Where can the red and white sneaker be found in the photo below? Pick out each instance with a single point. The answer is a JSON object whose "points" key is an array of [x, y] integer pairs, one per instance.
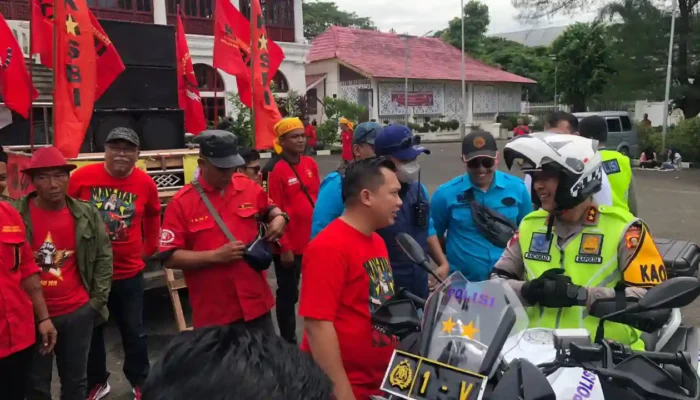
{"points": [[137, 393], [99, 391]]}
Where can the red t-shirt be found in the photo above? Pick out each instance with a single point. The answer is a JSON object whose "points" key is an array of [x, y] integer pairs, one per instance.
{"points": [[285, 191], [54, 249], [16, 264], [345, 276], [219, 293], [310, 133], [521, 130], [346, 140], [125, 205]]}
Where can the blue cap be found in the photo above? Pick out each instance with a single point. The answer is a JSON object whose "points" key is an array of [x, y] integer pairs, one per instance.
{"points": [[398, 141], [366, 132]]}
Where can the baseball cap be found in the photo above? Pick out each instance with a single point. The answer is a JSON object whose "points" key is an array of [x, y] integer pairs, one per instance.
{"points": [[123, 133], [398, 141], [479, 144], [220, 148], [366, 132]]}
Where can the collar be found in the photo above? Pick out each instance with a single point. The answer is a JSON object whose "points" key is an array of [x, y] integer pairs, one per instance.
{"points": [[71, 203], [590, 218], [209, 188], [498, 181]]}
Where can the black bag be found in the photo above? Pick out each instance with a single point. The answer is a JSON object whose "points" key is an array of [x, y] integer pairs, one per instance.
{"points": [[258, 253], [495, 227]]}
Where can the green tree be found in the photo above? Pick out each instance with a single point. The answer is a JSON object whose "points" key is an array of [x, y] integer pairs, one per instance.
{"points": [[476, 23], [321, 15], [583, 63]]}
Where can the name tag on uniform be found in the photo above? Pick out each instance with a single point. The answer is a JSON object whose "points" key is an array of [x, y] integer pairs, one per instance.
{"points": [[589, 251], [539, 248], [292, 181], [611, 167]]}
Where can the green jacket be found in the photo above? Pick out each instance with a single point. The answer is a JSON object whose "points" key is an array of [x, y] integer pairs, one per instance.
{"points": [[93, 249]]}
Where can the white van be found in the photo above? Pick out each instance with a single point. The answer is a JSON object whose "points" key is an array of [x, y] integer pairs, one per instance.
{"points": [[621, 135]]}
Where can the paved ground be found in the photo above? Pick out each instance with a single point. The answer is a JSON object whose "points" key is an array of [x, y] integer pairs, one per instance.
{"points": [[668, 202]]}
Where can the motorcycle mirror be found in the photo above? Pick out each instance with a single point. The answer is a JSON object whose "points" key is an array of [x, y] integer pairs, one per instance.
{"points": [[673, 293], [415, 253], [512, 384]]}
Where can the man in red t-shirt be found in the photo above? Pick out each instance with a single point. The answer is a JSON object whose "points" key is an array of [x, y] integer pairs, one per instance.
{"points": [[73, 251], [346, 276], [20, 289], [292, 184], [521, 129], [223, 287], [346, 131], [310, 132], [127, 199]]}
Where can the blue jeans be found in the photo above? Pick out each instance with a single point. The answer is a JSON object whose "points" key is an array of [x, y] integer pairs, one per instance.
{"points": [[126, 307]]}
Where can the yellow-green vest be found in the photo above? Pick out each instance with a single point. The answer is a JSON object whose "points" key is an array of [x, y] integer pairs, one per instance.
{"points": [[591, 260], [619, 170]]}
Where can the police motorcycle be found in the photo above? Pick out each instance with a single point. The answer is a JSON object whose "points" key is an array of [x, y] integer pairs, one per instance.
{"points": [[475, 343]]}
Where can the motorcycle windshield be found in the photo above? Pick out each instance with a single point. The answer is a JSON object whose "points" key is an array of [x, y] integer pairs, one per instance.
{"points": [[468, 323]]}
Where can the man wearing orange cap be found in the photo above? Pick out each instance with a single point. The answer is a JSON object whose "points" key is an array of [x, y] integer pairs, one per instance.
{"points": [[292, 183], [346, 131], [71, 246]]}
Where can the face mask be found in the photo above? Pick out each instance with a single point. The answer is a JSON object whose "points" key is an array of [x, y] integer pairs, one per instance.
{"points": [[408, 172]]}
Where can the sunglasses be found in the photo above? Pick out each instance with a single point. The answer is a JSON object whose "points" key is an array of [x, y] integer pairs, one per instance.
{"points": [[485, 162]]}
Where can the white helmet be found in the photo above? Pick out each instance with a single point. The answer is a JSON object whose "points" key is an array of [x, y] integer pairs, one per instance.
{"points": [[575, 158]]}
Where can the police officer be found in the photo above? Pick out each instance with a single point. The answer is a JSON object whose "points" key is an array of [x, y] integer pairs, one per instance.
{"points": [[573, 255], [224, 287], [615, 164], [329, 204], [398, 144]]}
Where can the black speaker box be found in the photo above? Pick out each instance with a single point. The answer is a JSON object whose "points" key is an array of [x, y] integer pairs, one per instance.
{"points": [[142, 87], [145, 45], [17, 133], [157, 129]]}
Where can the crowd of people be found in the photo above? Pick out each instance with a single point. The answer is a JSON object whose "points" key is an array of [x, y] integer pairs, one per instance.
{"points": [[63, 271]]}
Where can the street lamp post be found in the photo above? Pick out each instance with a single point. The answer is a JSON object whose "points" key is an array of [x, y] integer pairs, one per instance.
{"points": [[405, 38], [668, 75], [463, 129], [556, 72]]}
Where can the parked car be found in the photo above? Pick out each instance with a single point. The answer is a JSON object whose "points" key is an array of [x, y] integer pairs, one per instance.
{"points": [[621, 134]]}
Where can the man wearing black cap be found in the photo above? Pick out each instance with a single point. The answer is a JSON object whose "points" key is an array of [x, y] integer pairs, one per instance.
{"points": [[223, 287], [127, 199], [468, 249], [616, 165]]}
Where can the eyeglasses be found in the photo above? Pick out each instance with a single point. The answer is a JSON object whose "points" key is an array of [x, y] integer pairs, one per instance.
{"points": [[486, 162], [127, 150]]}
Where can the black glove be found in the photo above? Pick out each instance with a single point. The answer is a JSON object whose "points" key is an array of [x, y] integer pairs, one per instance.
{"points": [[552, 289]]}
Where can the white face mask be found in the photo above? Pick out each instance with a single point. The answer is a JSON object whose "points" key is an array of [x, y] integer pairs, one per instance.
{"points": [[408, 172]]}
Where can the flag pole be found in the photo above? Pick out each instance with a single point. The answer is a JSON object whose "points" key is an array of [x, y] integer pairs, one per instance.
{"points": [[54, 54], [252, 72], [31, 77], [216, 75]]}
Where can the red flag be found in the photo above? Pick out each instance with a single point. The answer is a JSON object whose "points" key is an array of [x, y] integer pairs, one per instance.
{"points": [[15, 84], [75, 75], [109, 64], [232, 50], [187, 92], [264, 107]]}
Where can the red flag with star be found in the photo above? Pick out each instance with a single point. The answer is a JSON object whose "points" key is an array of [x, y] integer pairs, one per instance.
{"points": [[15, 84], [265, 108], [187, 92], [109, 64], [232, 49], [75, 75]]}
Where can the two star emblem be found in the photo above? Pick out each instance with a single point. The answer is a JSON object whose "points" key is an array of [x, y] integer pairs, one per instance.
{"points": [[468, 330]]}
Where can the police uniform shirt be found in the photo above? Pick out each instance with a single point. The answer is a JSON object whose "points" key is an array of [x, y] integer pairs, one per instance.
{"points": [[512, 263]]}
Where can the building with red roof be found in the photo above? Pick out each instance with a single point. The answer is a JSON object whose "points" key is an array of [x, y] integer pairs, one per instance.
{"points": [[370, 67]]}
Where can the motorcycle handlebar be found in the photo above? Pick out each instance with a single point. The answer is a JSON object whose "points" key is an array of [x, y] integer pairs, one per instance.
{"points": [[418, 301], [595, 352]]}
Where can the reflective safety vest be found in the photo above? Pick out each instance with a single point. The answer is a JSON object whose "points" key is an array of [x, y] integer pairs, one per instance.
{"points": [[617, 167], [591, 260]]}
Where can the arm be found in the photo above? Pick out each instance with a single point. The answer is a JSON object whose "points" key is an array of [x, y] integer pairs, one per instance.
{"points": [[173, 242], [632, 197], [439, 213], [275, 188], [102, 275], [511, 267], [525, 206], [329, 204], [325, 349], [151, 220]]}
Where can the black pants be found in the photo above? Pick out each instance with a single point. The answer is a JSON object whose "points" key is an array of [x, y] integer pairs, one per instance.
{"points": [[13, 374], [71, 353], [287, 297], [126, 306]]}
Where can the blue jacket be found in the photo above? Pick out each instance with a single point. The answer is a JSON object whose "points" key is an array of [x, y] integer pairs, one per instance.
{"points": [[329, 203], [467, 250]]}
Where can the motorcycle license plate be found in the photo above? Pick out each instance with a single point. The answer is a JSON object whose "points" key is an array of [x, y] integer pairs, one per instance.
{"points": [[416, 378]]}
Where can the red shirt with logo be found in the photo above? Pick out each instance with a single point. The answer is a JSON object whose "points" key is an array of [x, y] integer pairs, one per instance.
{"points": [[54, 249], [345, 277], [219, 293], [16, 264], [346, 141], [284, 187], [130, 208]]}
